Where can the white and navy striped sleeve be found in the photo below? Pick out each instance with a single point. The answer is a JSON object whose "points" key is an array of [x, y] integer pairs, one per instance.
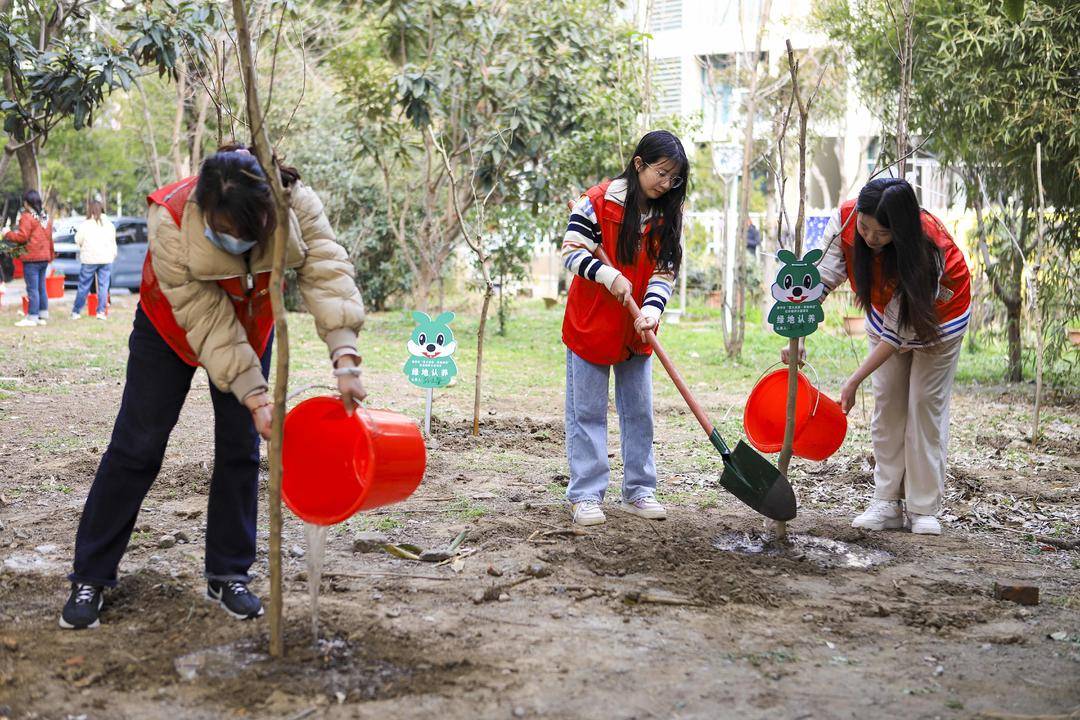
{"points": [[661, 285], [580, 242], [832, 267]]}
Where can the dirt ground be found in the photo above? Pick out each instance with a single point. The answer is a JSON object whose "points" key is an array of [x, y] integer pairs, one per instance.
{"points": [[534, 621]]}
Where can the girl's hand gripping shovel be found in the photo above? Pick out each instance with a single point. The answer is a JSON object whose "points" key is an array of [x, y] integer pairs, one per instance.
{"points": [[747, 475]]}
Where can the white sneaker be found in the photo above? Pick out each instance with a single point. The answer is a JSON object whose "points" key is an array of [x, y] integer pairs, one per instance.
{"points": [[645, 507], [42, 321], [101, 316], [881, 515], [588, 512], [27, 322], [75, 316], [924, 524]]}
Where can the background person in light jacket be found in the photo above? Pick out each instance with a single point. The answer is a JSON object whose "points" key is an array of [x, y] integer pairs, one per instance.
{"points": [[96, 238]]}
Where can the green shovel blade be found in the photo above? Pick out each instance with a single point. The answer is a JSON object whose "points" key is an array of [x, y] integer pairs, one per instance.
{"points": [[754, 480]]}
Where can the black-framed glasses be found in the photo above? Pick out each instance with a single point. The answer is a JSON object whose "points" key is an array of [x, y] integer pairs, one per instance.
{"points": [[674, 182]]}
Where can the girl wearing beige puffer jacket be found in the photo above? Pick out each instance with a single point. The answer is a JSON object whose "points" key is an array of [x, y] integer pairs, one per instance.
{"points": [[204, 302]]}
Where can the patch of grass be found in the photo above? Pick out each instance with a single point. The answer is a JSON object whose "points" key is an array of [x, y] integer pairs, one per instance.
{"points": [[386, 523], [466, 509], [953, 704], [53, 486]]}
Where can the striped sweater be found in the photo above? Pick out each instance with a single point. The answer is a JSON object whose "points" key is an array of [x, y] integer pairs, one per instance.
{"points": [[582, 238]]}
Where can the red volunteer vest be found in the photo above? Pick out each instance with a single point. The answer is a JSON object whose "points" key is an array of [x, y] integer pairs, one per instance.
{"points": [[595, 326], [252, 305], [955, 277]]}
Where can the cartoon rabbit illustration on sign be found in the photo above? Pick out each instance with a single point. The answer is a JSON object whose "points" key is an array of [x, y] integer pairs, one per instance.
{"points": [[431, 346], [798, 291]]}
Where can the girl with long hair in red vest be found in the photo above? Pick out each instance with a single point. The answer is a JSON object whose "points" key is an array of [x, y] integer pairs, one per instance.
{"points": [[637, 218], [914, 285]]}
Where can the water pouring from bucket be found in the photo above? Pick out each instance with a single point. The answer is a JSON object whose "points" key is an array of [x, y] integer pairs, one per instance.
{"points": [[335, 465]]}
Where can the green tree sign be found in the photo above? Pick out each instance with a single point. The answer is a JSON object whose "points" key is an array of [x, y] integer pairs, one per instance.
{"points": [[431, 347], [798, 290]]}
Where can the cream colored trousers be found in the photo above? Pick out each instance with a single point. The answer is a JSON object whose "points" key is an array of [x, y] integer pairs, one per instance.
{"points": [[910, 428]]}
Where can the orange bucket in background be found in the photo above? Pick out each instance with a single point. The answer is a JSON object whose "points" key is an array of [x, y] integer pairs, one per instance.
{"points": [[820, 426], [334, 465], [54, 286], [92, 305]]}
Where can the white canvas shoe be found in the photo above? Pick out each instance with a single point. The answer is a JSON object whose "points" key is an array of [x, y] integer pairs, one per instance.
{"points": [[587, 512], [881, 515], [645, 507], [924, 524], [27, 322], [75, 316]]}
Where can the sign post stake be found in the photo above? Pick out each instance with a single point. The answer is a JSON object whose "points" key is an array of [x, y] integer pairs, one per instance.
{"points": [[431, 364], [427, 414]]}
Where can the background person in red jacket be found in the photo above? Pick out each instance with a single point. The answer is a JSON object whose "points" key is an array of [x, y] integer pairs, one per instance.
{"points": [[914, 285], [34, 231], [637, 217]]}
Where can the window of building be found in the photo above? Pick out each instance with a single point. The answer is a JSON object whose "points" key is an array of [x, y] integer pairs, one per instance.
{"points": [[665, 15], [667, 86]]}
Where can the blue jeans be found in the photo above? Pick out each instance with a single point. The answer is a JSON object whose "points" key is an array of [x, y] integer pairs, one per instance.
{"points": [[157, 385], [586, 427], [34, 276], [86, 280]]}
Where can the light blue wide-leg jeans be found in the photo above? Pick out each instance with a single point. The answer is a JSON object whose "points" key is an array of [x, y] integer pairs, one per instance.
{"points": [[586, 427]]}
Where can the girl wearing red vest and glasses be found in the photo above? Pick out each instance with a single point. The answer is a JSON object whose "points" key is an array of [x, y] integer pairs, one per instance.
{"points": [[637, 218], [204, 302], [913, 282]]}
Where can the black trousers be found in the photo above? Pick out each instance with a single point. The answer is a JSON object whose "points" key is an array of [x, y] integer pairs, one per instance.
{"points": [[157, 385]]}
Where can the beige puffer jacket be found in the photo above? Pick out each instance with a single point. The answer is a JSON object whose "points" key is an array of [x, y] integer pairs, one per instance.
{"points": [[187, 266]]}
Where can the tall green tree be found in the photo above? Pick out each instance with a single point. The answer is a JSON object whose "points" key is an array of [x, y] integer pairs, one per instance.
{"points": [[57, 64], [985, 90], [529, 101]]}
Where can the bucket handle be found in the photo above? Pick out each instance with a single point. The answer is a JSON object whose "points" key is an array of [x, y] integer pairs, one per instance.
{"points": [[817, 380], [321, 386]]}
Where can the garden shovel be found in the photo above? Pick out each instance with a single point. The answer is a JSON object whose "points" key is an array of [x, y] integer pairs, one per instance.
{"points": [[747, 475]]}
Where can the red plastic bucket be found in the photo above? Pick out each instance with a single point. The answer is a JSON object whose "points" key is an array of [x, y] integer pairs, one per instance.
{"points": [[54, 286], [766, 409], [92, 305], [334, 465], [823, 432], [820, 426]]}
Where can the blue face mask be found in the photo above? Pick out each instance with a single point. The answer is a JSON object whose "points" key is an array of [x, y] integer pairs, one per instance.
{"points": [[229, 243]]}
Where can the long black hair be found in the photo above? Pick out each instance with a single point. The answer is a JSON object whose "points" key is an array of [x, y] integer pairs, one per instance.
{"points": [[33, 199], [232, 184], [663, 244], [911, 262]]}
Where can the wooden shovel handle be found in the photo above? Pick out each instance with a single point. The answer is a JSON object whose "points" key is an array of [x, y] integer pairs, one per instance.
{"points": [[672, 371]]}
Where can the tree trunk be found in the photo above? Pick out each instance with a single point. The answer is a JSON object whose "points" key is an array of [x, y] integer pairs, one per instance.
{"points": [[1037, 311], [202, 105], [488, 291], [148, 140], [734, 341], [29, 171], [264, 153], [179, 157], [906, 41], [1015, 371]]}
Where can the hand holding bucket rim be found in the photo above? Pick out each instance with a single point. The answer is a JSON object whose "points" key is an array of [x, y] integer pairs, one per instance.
{"points": [[349, 385], [747, 475]]}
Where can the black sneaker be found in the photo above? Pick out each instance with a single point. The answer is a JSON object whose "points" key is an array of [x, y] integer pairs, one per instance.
{"points": [[83, 607], [234, 596]]}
